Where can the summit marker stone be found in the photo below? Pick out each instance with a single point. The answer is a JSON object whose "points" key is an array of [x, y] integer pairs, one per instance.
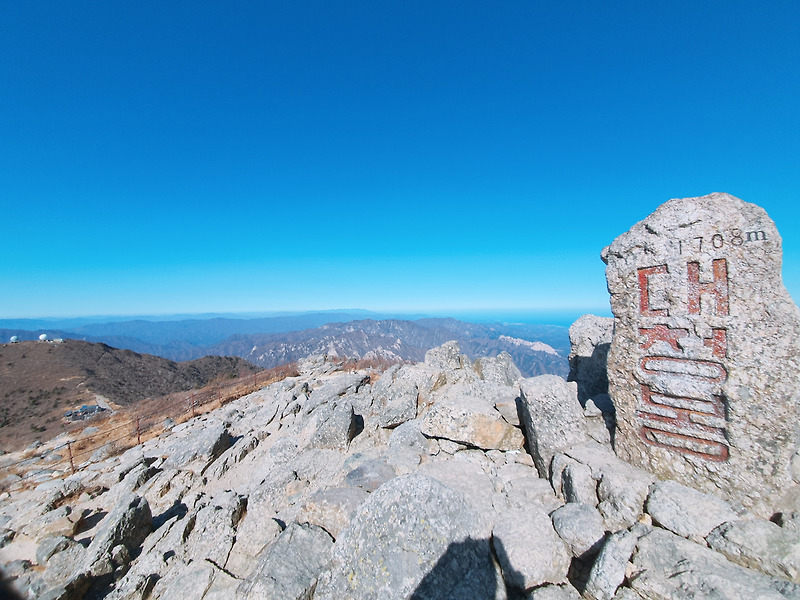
{"points": [[704, 366]]}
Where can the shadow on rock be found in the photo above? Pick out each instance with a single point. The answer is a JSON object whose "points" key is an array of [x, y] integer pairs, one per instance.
{"points": [[467, 569], [177, 509]]}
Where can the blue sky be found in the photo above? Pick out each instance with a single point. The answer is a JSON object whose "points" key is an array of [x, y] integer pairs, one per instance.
{"points": [[252, 156]]}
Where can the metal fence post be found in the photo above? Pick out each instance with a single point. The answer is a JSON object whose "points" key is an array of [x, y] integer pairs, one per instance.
{"points": [[71, 463]]}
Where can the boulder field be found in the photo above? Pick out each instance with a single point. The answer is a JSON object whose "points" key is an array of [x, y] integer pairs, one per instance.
{"points": [[443, 479]]}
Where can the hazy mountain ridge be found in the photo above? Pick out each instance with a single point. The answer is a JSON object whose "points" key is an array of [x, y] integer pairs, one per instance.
{"points": [[391, 339], [291, 337]]}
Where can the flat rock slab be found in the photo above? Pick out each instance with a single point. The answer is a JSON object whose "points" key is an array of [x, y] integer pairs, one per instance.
{"points": [[686, 511], [413, 535], [759, 545], [673, 568], [704, 366]]}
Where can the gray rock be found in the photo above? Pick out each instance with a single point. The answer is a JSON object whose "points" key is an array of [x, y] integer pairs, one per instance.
{"points": [[608, 571], [257, 529], [289, 567], [599, 425], [133, 587], [74, 589], [529, 550], [790, 521], [554, 592], [578, 485], [195, 450], [333, 388], [50, 546], [522, 488], [686, 511], [214, 531], [193, 580], [414, 535], [622, 489], [128, 523], [622, 496], [474, 484], [409, 435], [284, 449], [670, 567], [590, 340], [64, 566], [403, 460], [370, 475], [472, 421], [499, 369], [339, 425], [552, 418], [759, 545], [395, 399], [581, 527], [447, 357], [56, 522], [332, 509], [704, 368], [241, 448]]}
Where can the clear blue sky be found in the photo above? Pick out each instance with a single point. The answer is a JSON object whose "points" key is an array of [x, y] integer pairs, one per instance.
{"points": [[164, 157]]}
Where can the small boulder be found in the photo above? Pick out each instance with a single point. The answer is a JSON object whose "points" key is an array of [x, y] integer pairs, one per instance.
{"points": [[128, 523], [608, 571], [668, 566], [498, 369], [395, 399], [581, 527]]}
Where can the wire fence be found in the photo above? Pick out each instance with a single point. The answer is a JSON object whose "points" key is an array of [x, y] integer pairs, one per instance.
{"points": [[128, 427]]}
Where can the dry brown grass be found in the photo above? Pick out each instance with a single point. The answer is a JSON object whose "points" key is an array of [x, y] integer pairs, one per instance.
{"points": [[138, 423], [375, 366]]}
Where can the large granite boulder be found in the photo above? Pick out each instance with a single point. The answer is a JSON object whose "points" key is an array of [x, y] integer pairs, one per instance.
{"points": [[413, 535], [704, 367]]}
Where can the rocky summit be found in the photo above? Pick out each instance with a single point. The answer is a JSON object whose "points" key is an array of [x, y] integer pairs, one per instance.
{"points": [[454, 479]]}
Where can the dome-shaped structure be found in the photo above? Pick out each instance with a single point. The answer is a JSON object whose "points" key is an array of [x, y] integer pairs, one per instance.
{"points": [[14, 339], [43, 337]]}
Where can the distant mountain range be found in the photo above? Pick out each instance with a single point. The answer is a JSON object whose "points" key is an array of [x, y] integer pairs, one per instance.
{"points": [[271, 341], [396, 339]]}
